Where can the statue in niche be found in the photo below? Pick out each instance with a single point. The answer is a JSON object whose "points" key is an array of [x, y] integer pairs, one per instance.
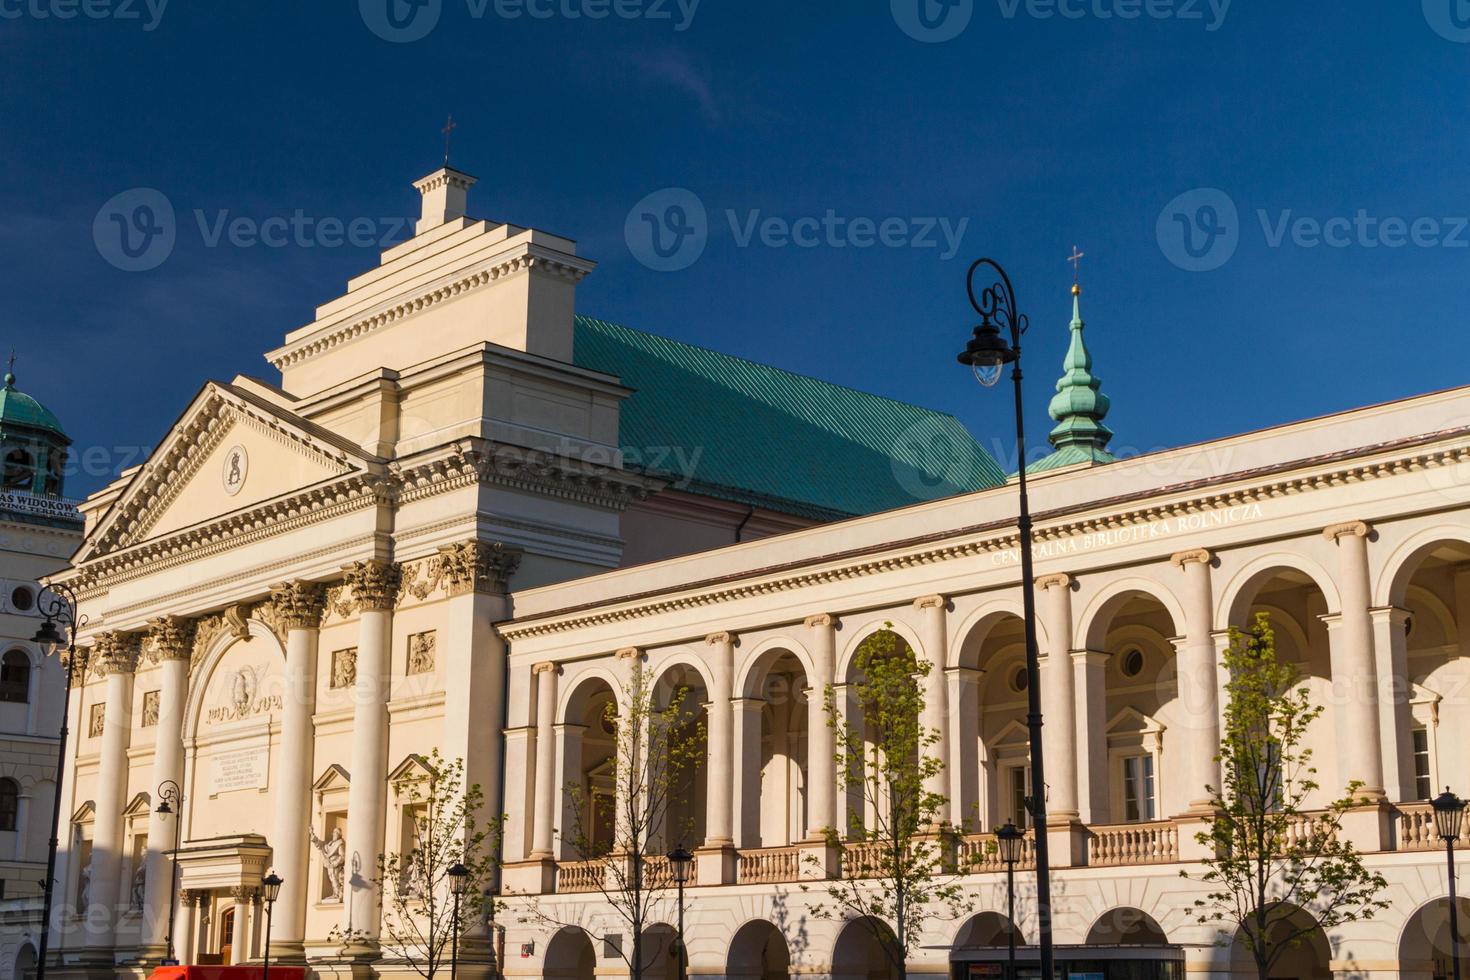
{"points": [[334, 859], [140, 882], [84, 890]]}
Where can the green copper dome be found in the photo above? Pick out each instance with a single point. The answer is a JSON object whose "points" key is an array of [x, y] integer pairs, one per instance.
{"points": [[19, 411], [1079, 407]]}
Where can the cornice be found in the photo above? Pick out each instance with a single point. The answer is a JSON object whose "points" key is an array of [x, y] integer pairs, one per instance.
{"points": [[944, 546], [524, 259], [476, 461]]}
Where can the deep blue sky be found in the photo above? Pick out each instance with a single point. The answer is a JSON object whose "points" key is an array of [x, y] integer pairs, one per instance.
{"points": [[1041, 132]]}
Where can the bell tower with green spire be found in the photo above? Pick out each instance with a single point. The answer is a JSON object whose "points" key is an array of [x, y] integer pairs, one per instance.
{"points": [[1079, 407]]}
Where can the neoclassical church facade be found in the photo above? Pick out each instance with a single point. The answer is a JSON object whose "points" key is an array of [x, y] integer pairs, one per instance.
{"points": [[465, 514]]}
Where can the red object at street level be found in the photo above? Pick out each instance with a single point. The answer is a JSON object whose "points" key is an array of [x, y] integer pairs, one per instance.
{"points": [[226, 973]]}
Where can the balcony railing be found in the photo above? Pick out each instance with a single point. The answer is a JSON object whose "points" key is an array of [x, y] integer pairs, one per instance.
{"points": [[769, 865], [979, 853], [580, 876], [1133, 843], [1417, 831]]}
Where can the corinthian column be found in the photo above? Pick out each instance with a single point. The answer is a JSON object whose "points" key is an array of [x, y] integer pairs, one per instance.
{"points": [[1354, 672], [1198, 679], [298, 608], [820, 750], [171, 642], [1058, 699], [934, 638], [115, 657], [720, 774], [374, 586]]}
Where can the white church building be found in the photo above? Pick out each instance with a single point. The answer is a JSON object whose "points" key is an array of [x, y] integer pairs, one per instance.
{"points": [[464, 512]]}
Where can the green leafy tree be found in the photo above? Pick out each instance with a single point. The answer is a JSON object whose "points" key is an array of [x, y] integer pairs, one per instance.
{"points": [[1273, 858], [658, 752], [898, 865]]}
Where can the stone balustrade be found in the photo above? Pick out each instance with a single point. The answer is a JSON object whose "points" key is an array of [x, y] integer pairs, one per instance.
{"points": [[1418, 833], [768, 865], [1133, 843]]}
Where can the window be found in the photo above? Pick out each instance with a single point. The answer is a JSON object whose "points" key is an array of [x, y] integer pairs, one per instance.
{"points": [[1423, 783], [1017, 788], [9, 803], [1138, 788], [15, 677], [1020, 680], [20, 470], [1132, 663], [22, 599]]}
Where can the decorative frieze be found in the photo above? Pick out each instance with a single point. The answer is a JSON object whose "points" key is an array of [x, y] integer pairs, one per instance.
{"points": [[421, 653], [171, 638], [374, 584], [299, 605], [484, 567]]}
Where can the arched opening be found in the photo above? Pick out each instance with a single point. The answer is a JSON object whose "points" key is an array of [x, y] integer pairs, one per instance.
{"points": [[9, 803], [1426, 947], [870, 806], [589, 763], [1126, 927], [993, 662], [1308, 956], [1121, 748], [1430, 661], [988, 929], [15, 676], [684, 745], [25, 962], [19, 469], [758, 952], [864, 951], [660, 953], [783, 694], [570, 956]]}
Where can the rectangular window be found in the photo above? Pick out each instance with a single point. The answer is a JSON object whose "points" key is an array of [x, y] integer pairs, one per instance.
{"points": [[1018, 787], [1423, 785], [1138, 788]]}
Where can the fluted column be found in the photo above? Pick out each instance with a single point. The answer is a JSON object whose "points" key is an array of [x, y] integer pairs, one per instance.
{"points": [[115, 657], [719, 820], [374, 586], [170, 643], [1058, 698], [1353, 670], [542, 837], [934, 639], [1198, 680], [821, 768], [298, 608]]}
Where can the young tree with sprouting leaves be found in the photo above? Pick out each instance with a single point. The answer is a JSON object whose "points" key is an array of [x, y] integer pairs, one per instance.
{"points": [[419, 921], [658, 752], [898, 863], [1271, 855]]}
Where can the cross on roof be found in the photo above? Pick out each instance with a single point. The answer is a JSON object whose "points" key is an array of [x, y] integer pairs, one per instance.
{"points": [[1076, 259], [449, 128]]}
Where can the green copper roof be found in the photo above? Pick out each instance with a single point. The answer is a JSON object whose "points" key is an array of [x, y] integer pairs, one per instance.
{"points": [[743, 431], [20, 411], [1079, 407]]}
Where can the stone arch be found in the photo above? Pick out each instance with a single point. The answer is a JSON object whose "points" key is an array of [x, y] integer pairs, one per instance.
{"points": [[570, 956], [1404, 561], [849, 651], [586, 781], [1126, 926], [859, 954], [976, 627], [1309, 958], [659, 952], [25, 961], [1241, 589], [1425, 947], [758, 951], [204, 672], [680, 660], [987, 929], [584, 686], [1105, 605], [751, 669]]}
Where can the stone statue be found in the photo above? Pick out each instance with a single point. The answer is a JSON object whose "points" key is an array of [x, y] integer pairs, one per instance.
{"points": [[334, 859], [140, 880], [84, 890]]}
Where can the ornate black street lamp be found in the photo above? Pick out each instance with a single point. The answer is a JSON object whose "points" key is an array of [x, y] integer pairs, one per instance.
{"points": [[459, 880], [1449, 813], [270, 890], [681, 863], [171, 801], [1008, 841], [987, 354], [60, 609]]}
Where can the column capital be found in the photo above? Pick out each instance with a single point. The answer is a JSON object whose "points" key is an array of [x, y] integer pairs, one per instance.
{"points": [[820, 621], [1396, 615], [242, 893], [1195, 556], [1093, 658], [188, 896], [546, 667], [931, 602], [299, 605], [481, 567], [374, 584], [171, 638], [722, 637], [1059, 580], [1357, 529], [628, 653], [115, 653]]}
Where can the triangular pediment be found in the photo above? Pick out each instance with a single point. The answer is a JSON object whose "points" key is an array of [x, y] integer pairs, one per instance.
{"points": [[228, 453], [333, 777]]}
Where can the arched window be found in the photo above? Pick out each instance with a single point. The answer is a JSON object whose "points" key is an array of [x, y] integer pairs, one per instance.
{"points": [[20, 469], [15, 677], [9, 803]]}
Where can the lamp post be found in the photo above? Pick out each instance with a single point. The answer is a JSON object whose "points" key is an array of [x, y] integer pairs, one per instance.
{"points": [[987, 354], [1449, 813], [681, 862], [270, 890], [60, 609], [171, 801], [459, 880], [1008, 840]]}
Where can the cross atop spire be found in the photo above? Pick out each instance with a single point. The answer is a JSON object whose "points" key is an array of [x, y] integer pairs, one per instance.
{"points": [[1076, 259], [448, 130]]}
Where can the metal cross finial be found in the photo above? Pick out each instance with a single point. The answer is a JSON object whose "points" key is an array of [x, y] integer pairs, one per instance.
{"points": [[1076, 259], [10, 368], [448, 129]]}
